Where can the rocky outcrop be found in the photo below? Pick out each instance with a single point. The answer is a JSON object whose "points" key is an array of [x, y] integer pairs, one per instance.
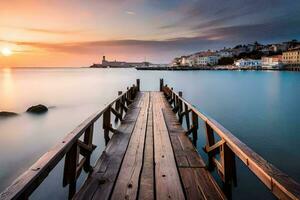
{"points": [[7, 114], [37, 109]]}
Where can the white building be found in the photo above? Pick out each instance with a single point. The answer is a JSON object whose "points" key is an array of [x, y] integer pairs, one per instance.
{"points": [[207, 60], [225, 53], [191, 60], [272, 62], [184, 61], [247, 63]]}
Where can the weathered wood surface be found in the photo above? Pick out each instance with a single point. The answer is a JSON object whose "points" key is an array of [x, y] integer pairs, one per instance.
{"points": [[281, 185], [153, 160], [100, 183], [197, 181], [167, 180], [127, 184], [146, 190]]}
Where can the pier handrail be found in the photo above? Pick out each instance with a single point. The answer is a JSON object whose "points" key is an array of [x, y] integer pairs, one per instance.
{"points": [[229, 146], [71, 147]]}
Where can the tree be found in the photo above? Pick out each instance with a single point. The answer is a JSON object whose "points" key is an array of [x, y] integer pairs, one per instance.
{"points": [[226, 61]]}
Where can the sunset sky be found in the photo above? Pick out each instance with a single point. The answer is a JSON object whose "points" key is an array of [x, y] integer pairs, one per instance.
{"points": [[74, 33]]}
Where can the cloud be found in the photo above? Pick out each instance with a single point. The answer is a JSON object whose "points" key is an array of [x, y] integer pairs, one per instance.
{"points": [[94, 47], [47, 31], [130, 13]]}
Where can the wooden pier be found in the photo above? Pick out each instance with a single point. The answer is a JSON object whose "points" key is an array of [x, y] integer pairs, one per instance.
{"points": [[149, 155]]}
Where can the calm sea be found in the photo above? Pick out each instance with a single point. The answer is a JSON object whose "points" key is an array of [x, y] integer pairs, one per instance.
{"points": [[261, 108]]}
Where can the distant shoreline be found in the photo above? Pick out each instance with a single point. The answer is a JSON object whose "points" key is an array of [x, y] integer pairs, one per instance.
{"points": [[219, 68], [212, 69]]}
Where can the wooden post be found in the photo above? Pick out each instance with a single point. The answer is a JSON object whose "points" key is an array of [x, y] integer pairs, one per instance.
{"points": [[161, 84], [138, 84], [88, 140], [228, 162], [195, 128], [106, 124], [187, 116], [180, 93], [117, 106], [133, 90], [70, 169], [121, 107], [210, 140], [127, 95], [180, 109]]}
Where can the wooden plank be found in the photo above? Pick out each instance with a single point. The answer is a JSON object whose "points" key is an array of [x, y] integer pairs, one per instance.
{"points": [[146, 190], [127, 183], [168, 185], [100, 183], [197, 181], [185, 153], [199, 184]]}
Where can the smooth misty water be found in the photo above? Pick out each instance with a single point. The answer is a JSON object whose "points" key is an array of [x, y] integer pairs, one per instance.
{"points": [[260, 108]]}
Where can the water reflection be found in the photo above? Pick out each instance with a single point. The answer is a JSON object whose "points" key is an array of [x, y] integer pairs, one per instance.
{"points": [[7, 88], [262, 109]]}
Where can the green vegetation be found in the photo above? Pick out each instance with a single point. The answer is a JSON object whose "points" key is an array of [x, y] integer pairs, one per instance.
{"points": [[226, 61]]}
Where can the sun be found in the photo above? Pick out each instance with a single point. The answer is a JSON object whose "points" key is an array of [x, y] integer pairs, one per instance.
{"points": [[6, 51]]}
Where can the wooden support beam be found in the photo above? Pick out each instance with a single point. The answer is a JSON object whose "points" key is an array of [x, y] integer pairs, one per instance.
{"points": [[188, 132], [187, 116], [195, 123], [117, 107], [161, 86], [175, 109], [180, 93], [70, 169], [229, 176], [138, 85], [88, 140], [106, 124], [128, 101], [215, 146], [210, 140], [85, 149], [116, 113], [80, 165], [123, 107]]}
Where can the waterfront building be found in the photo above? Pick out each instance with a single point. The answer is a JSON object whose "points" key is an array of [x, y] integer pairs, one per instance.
{"points": [[184, 61], [225, 53], [191, 60], [176, 62], [248, 63], [121, 64], [292, 56], [106, 63], [207, 58], [272, 62]]}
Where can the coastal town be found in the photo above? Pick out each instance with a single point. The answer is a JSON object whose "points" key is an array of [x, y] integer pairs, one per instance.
{"points": [[256, 56]]}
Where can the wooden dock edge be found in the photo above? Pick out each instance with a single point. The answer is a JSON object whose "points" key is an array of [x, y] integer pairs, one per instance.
{"points": [[229, 147], [71, 147]]}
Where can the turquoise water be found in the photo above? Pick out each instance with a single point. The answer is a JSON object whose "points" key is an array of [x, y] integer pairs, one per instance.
{"points": [[260, 108]]}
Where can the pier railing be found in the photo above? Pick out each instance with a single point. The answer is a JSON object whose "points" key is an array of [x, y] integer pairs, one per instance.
{"points": [[222, 153], [77, 144]]}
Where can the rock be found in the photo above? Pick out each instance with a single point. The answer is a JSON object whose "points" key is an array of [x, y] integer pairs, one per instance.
{"points": [[7, 114], [38, 109]]}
